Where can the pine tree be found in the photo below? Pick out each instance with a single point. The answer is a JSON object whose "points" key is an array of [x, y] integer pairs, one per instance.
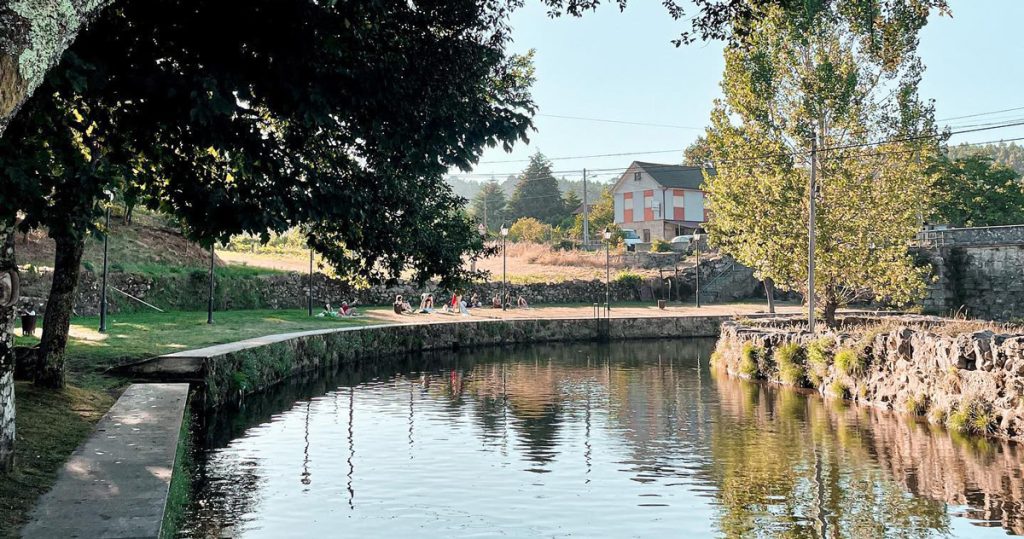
{"points": [[536, 194], [489, 206]]}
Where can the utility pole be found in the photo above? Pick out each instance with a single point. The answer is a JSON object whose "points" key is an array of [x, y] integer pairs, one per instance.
{"points": [[309, 292], [485, 213], [586, 213], [811, 232]]}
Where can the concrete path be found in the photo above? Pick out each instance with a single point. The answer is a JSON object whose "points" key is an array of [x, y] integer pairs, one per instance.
{"points": [[115, 484]]}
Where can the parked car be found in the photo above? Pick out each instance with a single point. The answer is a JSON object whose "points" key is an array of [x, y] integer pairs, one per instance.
{"points": [[682, 243], [630, 238]]}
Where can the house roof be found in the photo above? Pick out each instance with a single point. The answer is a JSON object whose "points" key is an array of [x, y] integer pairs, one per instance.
{"points": [[675, 176]]}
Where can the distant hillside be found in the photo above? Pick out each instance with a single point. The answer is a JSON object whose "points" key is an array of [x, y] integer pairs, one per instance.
{"points": [[1008, 154], [469, 188]]}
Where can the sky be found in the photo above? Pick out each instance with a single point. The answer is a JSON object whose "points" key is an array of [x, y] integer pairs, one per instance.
{"points": [[623, 67]]}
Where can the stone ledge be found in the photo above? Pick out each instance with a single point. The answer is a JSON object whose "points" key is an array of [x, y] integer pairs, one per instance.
{"points": [[115, 485]]}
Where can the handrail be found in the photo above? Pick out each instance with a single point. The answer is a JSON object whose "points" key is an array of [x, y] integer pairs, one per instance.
{"points": [[150, 305], [729, 267]]}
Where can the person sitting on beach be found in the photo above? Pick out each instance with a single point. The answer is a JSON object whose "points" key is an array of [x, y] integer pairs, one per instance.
{"points": [[474, 301], [346, 309], [496, 302], [521, 303], [462, 306]]}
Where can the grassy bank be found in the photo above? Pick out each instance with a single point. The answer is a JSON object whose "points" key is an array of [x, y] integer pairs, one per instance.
{"points": [[142, 335], [51, 424]]}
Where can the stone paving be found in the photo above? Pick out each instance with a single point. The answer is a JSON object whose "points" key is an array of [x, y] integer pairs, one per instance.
{"points": [[115, 485]]}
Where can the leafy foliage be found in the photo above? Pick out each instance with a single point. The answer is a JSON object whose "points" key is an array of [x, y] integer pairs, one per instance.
{"points": [[819, 73], [530, 230], [1007, 154], [976, 191]]}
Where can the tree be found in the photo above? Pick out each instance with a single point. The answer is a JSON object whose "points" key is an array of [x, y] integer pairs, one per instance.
{"points": [[1007, 154], [536, 194], [571, 202], [528, 229], [975, 191], [488, 206], [698, 153], [821, 75], [249, 135], [602, 215]]}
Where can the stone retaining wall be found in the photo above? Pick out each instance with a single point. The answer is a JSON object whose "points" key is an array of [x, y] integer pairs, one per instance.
{"points": [[970, 381], [976, 271], [188, 290], [230, 372]]}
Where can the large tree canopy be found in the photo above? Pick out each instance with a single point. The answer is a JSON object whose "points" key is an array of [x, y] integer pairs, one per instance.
{"points": [[259, 116], [975, 191], [824, 76]]}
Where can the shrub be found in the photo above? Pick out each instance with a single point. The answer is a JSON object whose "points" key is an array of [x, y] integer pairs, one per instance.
{"points": [[629, 278], [661, 246], [88, 266], [972, 416], [790, 359], [917, 405], [530, 230], [819, 357], [849, 362], [749, 356], [840, 390]]}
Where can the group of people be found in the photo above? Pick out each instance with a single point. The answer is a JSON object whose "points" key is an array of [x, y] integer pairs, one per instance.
{"points": [[345, 310], [457, 303]]}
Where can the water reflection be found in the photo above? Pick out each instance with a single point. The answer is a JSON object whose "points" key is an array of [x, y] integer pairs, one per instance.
{"points": [[634, 439]]}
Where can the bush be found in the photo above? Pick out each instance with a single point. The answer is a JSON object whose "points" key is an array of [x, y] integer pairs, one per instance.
{"points": [[749, 356], [819, 357], [790, 359], [530, 230], [972, 416], [850, 363], [917, 405], [840, 390], [629, 278], [661, 246]]}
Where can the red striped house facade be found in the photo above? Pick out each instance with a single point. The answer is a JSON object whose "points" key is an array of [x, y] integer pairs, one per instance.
{"points": [[660, 201]]}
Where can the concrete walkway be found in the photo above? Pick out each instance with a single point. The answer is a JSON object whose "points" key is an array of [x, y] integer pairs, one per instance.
{"points": [[115, 485]]}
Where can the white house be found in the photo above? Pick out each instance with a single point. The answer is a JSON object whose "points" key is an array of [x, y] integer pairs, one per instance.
{"points": [[660, 201]]}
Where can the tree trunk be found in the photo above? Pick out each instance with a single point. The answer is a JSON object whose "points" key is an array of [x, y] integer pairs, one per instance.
{"points": [[33, 36], [8, 299], [829, 311], [769, 292], [57, 320]]}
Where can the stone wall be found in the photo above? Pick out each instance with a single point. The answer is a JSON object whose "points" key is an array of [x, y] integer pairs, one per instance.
{"points": [[188, 290], [231, 372], [976, 271], [959, 374]]}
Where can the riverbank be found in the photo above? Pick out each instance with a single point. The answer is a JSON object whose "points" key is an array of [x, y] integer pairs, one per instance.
{"points": [[964, 375], [52, 424]]}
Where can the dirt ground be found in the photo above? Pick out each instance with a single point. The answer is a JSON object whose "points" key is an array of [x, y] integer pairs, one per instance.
{"points": [[632, 311]]}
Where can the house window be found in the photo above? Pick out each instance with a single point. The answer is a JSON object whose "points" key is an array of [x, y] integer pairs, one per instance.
{"points": [[636, 176]]}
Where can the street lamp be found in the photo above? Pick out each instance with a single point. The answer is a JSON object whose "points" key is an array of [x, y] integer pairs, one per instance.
{"points": [[209, 301], [607, 268], [106, 241], [309, 292], [696, 249], [504, 268]]}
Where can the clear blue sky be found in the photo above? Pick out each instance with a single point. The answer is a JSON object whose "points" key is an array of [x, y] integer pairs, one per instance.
{"points": [[622, 66]]}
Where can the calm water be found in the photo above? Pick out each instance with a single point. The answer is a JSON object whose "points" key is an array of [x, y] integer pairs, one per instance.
{"points": [[626, 440]]}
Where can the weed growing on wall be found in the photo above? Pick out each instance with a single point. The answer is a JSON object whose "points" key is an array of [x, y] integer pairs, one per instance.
{"points": [[790, 359]]}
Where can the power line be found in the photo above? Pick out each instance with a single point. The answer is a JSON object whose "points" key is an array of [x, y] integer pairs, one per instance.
{"points": [[982, 127], [622, 122]]}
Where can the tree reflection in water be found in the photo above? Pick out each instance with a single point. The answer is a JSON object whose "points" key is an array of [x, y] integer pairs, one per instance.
{"points": [[758, 460]]}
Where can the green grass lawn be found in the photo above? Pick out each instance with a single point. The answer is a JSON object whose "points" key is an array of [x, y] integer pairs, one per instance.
{"points": [[143, 335]]}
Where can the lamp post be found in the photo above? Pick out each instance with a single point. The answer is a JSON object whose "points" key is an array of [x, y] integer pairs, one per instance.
{"points": [[504, 278], [103, 288], [607, 269], [309, 293], [696, 271], [209, 301]]}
